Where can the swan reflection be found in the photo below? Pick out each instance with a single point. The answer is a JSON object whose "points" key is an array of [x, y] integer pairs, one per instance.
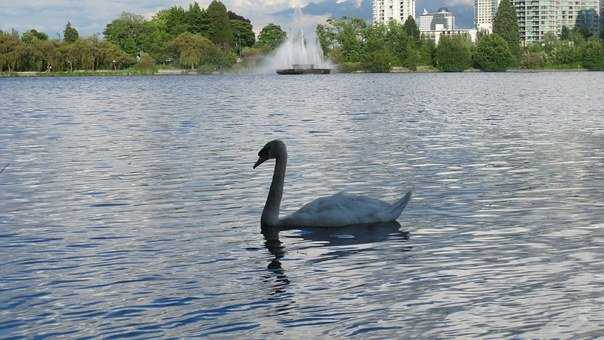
{"points": [[344, 238]]}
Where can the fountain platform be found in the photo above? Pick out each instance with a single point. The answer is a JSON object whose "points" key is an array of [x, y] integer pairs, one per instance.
{"points": [[303, 69]]}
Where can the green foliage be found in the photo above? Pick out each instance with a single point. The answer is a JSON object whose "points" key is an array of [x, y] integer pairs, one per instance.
{"points": [[145, 64], [271, 37], [173, 21], [453, 54], [11, 52], [505, 24], [219, 29], [377, 57], [197, 20], [593, 55], [70, 34], [243, 34], [398, 42], [32, 35], [564, 33], [493, 54], [532, 60], [412, 29], [413, 59], [194, 50]]}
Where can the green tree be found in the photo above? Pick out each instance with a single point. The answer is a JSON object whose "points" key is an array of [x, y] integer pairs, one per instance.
{"points": [[398, 42], [70, 34], [376, 57], [505, 24], [413, 58], [197, 20], [11, 51], [219, 30], [243, 33], [194, 50], [453, 54], [564, 33], [271, 37], [173, 20], [412, 29], [593, 55], [32, 34], [493, 54]]}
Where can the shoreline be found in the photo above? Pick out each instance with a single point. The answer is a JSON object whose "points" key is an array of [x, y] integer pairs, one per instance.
{"points": [[184, 72]]}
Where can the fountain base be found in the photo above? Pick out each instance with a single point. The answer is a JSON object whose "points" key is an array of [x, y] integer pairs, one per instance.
{"points": [[303, 69]]}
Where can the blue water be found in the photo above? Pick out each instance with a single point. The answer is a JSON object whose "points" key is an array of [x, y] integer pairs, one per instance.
{"points": [[130, 208]]}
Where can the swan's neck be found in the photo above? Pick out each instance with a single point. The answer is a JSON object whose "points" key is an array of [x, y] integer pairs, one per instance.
{"points": [[270, 214]]}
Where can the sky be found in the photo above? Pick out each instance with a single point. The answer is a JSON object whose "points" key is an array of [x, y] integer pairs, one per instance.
{"points": [[91, 16]]}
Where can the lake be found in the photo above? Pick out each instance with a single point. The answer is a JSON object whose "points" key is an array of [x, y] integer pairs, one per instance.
{"points": [[129, 206]]}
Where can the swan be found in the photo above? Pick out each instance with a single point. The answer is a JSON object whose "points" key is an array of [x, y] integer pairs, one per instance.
{"points": [[332, 211]]}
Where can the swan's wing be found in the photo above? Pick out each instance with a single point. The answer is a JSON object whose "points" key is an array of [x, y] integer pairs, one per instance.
{"points": [[340, 210]]}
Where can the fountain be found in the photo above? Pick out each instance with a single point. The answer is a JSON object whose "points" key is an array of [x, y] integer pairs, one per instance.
{"points": [[300, 53]]}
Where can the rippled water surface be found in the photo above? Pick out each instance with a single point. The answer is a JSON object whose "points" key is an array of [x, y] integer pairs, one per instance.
{"points": [[130, 207]]}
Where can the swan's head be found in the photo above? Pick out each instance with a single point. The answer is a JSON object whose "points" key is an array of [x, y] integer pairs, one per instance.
{"points": [[272, 149]]}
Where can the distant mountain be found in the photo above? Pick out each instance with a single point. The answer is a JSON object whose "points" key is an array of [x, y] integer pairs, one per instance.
{"points": [[464, 15]]}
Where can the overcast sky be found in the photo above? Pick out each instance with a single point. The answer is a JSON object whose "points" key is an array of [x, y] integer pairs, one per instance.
{"points": [[91, 16]]}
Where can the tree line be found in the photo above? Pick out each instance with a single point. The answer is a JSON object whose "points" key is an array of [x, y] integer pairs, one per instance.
{"points": [[197, 38], [356, 45]]}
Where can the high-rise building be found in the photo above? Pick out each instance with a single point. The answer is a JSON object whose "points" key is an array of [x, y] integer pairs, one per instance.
{"points": [[439, 20], [536, 18], [398, 10], [484, 12]]}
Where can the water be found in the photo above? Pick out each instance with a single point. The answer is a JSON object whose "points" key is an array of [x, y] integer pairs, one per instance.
{"points": [[130, 206]]}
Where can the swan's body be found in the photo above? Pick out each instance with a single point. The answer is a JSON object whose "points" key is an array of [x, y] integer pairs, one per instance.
{"points": [[332, 211]]}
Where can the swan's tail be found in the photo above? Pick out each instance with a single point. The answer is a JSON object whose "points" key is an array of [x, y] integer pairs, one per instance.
{"points": [[399, 206]]}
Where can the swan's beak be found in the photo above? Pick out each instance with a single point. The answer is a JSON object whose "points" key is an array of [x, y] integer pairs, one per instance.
{"points": [[259, 161]]}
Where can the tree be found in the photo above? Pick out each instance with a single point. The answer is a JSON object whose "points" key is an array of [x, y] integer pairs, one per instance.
{"points": [[32, 34], [505, 24], [173, 20], [133, 34], [493, 54], [398, 42], [593, 55], [453, 54], [271, 37], [376, 57], [11, 51], [219, 30], [564, 33], [197, 20], [193, 49], [70, 34], [411, 28], [243, 33]]}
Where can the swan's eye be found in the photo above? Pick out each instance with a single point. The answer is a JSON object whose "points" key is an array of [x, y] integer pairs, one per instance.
{"points": [[263, 153]]}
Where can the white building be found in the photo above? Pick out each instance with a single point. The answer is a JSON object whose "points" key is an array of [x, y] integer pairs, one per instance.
{"points": [[442, 19], [484, 12], [398, 10], [435, 35]]}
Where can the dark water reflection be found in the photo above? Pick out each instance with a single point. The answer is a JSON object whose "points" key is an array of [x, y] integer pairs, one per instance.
{"points": [[129, 207]]}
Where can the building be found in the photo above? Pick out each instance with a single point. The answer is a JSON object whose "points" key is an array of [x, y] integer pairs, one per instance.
{"points": [[484, 12], [536, 18], [435, 35], [442, 19], [398, 10]]}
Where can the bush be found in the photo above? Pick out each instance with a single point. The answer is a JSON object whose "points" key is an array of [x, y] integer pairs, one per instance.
{"points": [[532, 60], [350, 67], [493, 54], [593, 55], [146, 64], [453, 54], [379, 61]]}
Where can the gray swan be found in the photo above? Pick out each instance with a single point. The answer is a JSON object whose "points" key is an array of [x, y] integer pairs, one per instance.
{"points": [[332, 211]]}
